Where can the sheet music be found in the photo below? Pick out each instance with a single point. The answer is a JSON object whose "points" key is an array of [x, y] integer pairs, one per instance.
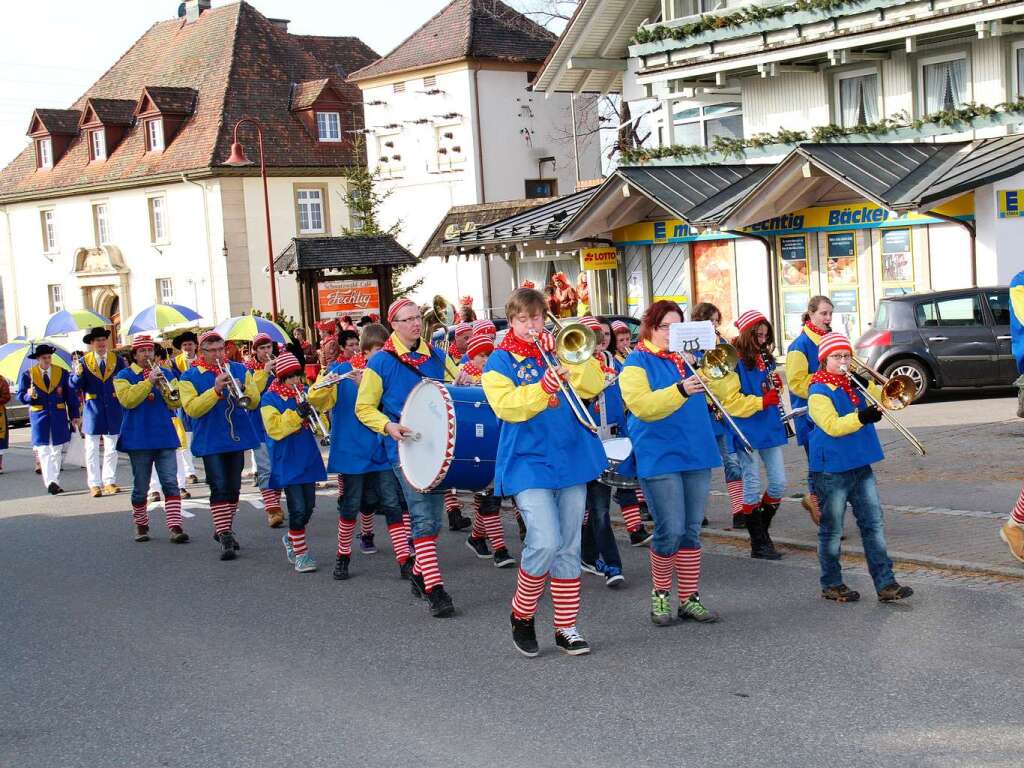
{"points": [[692, 336]]}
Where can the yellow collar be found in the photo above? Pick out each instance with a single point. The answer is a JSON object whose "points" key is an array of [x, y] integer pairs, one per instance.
{"points": [[401, 349], [55, 373], [93, 364], [815, 338], [649, 345]]}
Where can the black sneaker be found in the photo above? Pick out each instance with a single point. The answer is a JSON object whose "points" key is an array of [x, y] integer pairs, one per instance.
{"points": [[416, 585], [341, 567], [458, 522], [894, 592], [479, 547], [841, 594], [228, 546], [640, 537], [405, 569], [571, 641], [704, 523], [502, 559], [645, 513], [524, 637], [440, 602]]}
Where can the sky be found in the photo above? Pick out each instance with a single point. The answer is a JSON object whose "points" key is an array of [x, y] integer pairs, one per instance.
{"points": [[52, 51]]}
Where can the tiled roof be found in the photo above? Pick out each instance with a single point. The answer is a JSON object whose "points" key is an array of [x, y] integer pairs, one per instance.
{"points": [[342, 253], [60, 122], [114, 111], [466, 29], [305, 94], [172, 101], [240, 64], [475, 216], [543, 222]]}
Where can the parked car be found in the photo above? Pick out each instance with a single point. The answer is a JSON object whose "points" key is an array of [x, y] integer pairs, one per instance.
{"points": [[17, 414], [957, 338]]}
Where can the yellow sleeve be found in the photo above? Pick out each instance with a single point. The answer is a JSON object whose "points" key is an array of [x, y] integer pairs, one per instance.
{"points": [[280, 424], [643, 402], [251, 391], [132, 395], [451, 369], [323, 399], [368, 411], [823, 414], [727, 390], [196, 405], [260, 377], [587, 378], [797, 376], [511, 403]]}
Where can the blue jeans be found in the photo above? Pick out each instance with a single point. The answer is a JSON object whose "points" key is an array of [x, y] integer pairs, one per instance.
{"points": [[856, 486], [597, 538], [553, 520], [774, 467], [262, 456], [677, 502], [224, 475], [425, 509], [301, 500], [730, 461], [376, 489], [143, 463]]}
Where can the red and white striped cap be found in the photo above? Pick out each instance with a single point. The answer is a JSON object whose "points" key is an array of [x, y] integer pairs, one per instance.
{"points": [[260, 339], [484, 326], [833, 342], [591, 322], [749, 319], [142, 342], [460, 328], [286, 364], [479, 344], [397, 306], [618, 325], [209, 336]]}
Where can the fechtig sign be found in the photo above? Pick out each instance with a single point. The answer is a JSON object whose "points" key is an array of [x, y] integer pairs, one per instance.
{"points": [[599, 258], [356, 298]]}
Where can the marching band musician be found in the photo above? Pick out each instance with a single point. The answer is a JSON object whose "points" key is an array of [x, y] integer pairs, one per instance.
{"points": [[348, 344], [843, 446], [261, 367], [1012, 530], [5, 398], [545, 460], [751, 396], [675, 451], [222, 430], [295, 461], [148, 436], [623, 339], [160, 357], [52, 402], [94, 377], [360, 457], [186, 343], [389, 377], [461, 333], [801, 365]]}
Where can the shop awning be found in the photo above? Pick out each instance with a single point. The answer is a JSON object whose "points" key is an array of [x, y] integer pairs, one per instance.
{"points": [[350, 252], [469, 218], [989, 160]]}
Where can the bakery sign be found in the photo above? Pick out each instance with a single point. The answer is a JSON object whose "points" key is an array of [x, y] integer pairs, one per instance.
{"points": [[356, 298], [599, 258]]}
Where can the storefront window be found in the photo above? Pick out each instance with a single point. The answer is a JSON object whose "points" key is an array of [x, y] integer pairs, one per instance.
{"points": [[557, 278], [842, 281], [713, 270], [794, 275], [897, 262]]}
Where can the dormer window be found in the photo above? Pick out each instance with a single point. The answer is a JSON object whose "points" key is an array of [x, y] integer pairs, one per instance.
{"points": [[52, 131], [319, 105], [97, 145], [155, 135], [163, 113], [328, 125], [44, 153]]}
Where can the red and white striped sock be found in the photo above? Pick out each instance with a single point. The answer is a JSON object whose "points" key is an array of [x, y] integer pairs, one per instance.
{"points": [[346, 529], [426, 561], [172, 510], [640, 498], [746, 509], [399, 541], [528, 591], [222, 516], [451, 502], [631, 516], [565, 598], [661, 571], [271, 498], [1017, 515], [735, 490], [687, 572], [478, 531], [586, 517], [496, 534], [298, 540], [366, 523], [407, 523], [477, 499], [341, 485], [140, 514]]}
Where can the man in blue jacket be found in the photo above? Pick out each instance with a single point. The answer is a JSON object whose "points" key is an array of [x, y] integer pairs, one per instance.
{"points": [[52, 403], [93, 376]]}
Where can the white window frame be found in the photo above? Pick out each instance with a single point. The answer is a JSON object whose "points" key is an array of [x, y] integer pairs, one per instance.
{"points": [[101, 223], [848, 75], [157, 234], [55, 296], [155, 135], [306, 205], [162, 296], [45, 150], [323, 127], [1015, 51], [939, 59], [48, 225], [668, 122], [98, 144]]}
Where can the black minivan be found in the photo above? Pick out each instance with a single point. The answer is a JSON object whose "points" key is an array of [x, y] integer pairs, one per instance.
{"points": [[956, 338]]}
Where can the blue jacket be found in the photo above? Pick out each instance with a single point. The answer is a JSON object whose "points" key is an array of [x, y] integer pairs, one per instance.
{"points": [[1017, 319], [52, 408], [219, 424], [294, 452], [355, 449], [148, 423], [801, 364], [838, 441], [103, 413], [741, 393], [610, 398]]}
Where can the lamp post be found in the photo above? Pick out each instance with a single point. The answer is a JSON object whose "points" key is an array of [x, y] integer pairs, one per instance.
{"points": [[239, 160]]}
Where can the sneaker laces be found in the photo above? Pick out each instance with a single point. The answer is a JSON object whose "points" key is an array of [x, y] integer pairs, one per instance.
{"points": [[694, 606], [659, 602], [571, 634]]}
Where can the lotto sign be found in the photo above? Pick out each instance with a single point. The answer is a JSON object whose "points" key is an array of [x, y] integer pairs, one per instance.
{"points": [[1011, 203], [599, 258], [356, 298]]}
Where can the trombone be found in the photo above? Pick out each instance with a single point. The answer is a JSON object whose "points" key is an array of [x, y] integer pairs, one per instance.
{"points": [[897, 393], [316, 422], [441, 314], [574, 344], [237, 394], [716, 364]]}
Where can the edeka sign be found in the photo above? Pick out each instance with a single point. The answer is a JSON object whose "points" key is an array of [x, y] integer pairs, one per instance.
{"points": [[357, 298], [1010, 203], [599, 258]]}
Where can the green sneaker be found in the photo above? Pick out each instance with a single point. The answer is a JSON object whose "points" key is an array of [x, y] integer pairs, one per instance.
{"points": [[288, 549], [305, 563], [693, 608], [661, 614]]}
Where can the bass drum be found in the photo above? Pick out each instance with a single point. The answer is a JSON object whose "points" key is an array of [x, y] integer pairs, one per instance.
{"points": [[621, 471], [454, 441]]}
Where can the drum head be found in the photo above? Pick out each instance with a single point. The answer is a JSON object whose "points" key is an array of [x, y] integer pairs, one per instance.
{"points": [[618, 448], [427, 454]]}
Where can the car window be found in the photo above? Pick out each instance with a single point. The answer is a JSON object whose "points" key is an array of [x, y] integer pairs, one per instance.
{"points": [[999, 304], [960, 312], [925, 315], [882, 316]]}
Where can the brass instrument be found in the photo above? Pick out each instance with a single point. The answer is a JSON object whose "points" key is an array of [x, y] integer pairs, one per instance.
{"points": [[897, 393], [441, 314], [237, 394], [716, 364], [574, 344], [165, 387], [323, 434]]}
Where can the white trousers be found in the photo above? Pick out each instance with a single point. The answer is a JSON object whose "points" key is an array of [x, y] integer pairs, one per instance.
{"points": [[100, 470], [50, 457], [179, 456], [186, 453]]}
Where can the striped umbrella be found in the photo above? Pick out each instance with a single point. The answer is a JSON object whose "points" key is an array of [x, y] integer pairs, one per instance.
{"points": [[159, 317], [69, 321], [14, 357], [247, 327]]}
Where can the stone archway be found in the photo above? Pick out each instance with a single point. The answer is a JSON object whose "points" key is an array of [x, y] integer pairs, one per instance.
{"points": [[103, 278]]}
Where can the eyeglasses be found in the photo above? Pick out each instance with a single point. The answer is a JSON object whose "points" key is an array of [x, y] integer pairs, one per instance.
{"points": [[414, 318], [663, 327], [841, 356]]}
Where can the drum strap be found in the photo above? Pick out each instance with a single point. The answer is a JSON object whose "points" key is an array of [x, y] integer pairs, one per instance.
{"points": [[412, 368]]}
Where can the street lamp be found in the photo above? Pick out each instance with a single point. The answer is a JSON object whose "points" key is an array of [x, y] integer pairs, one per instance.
{"points": [[239, 160]]}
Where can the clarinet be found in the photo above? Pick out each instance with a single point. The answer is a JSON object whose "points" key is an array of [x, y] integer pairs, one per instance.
{"points": [[770, 365]]}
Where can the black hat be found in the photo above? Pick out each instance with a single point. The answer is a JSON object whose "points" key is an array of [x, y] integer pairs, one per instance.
{"points": [[41, 349], [181, 338], [96, 333]]}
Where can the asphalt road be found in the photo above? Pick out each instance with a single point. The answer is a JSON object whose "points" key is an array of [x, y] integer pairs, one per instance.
{"points": [[120, 654]]}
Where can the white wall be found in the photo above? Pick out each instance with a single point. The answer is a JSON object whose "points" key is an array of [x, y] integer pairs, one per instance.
{"points": [[792, 101], [949, 249], [1000, 255]]}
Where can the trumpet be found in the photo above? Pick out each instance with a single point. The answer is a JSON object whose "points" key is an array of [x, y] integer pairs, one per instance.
{"points": [[240, 398], [897, 393], [440, 315], [574, 344], [716, 364], [316, 422], [165, 387]]}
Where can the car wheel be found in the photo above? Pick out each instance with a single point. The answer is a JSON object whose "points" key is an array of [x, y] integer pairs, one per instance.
{"points": [[912, 369]]}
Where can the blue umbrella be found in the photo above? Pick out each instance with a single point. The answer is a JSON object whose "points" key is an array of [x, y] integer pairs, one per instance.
{"points": [[161, 316], [14, 357], [69, 321]]}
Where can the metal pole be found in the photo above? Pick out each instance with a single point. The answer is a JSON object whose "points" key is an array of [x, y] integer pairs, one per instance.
{"points": [[266, 210], [575, 144]]}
